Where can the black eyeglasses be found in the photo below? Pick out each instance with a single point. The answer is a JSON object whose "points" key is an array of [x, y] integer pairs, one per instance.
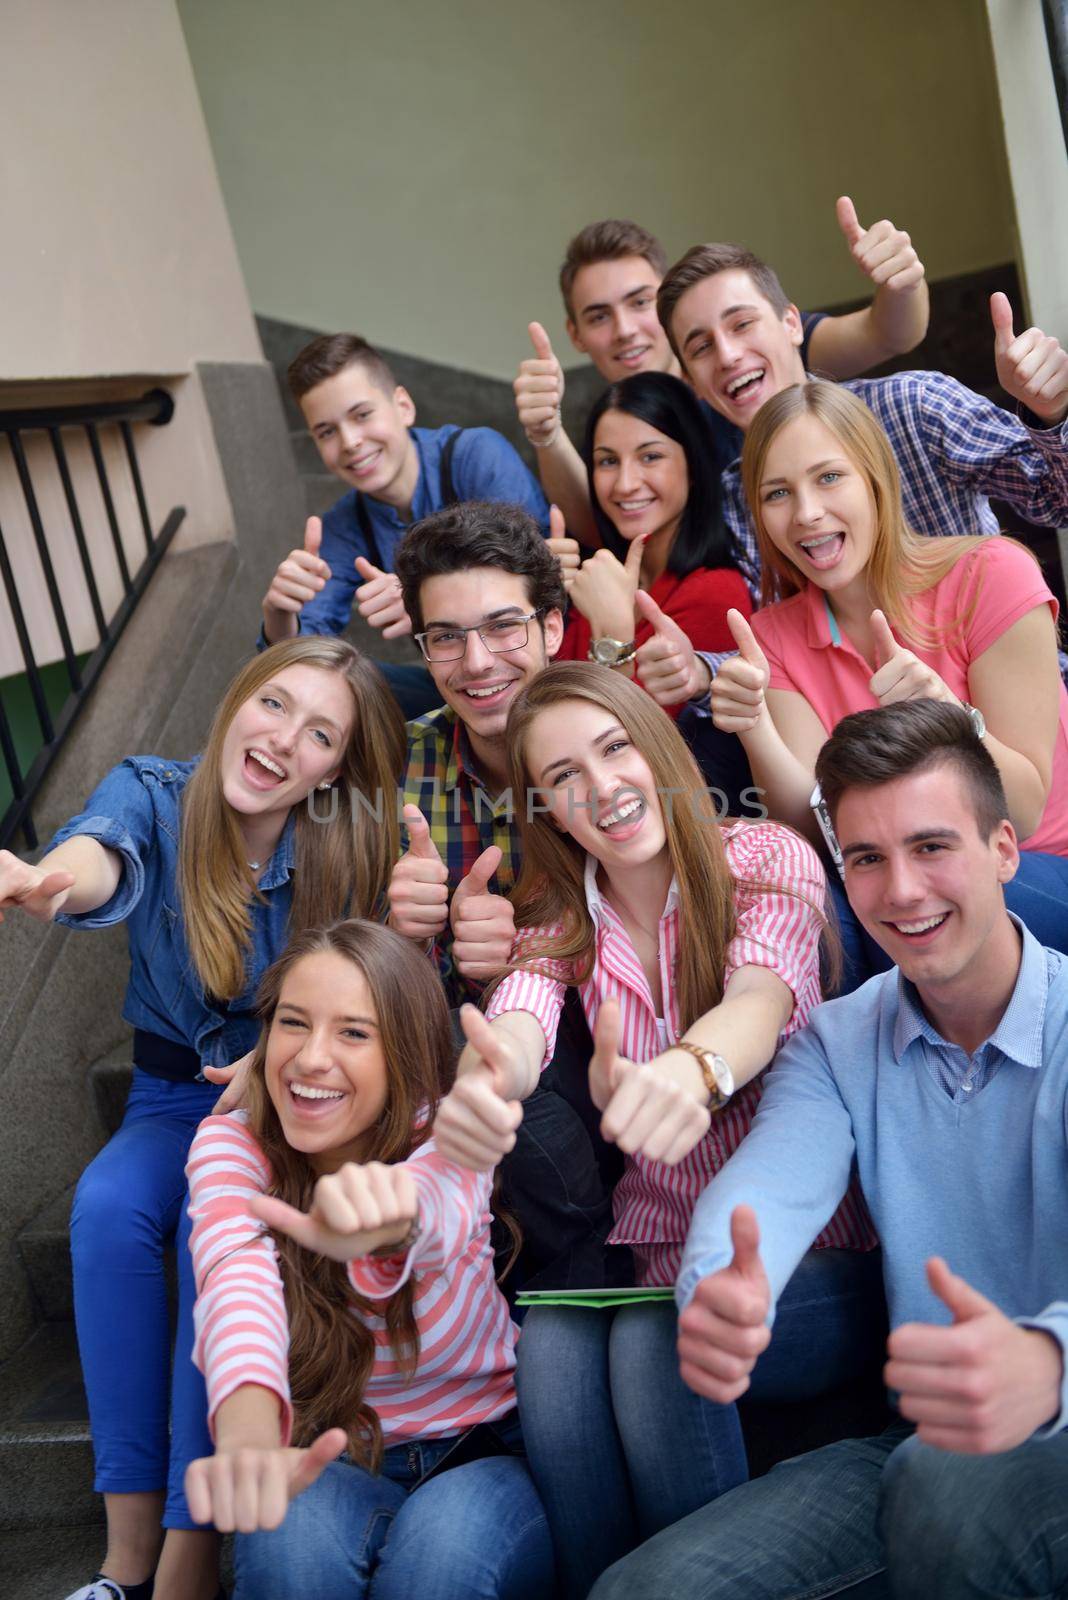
{"points": [[504, 633]]}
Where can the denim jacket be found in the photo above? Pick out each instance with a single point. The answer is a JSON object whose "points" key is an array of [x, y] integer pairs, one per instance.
{"points": [[135, 811]]}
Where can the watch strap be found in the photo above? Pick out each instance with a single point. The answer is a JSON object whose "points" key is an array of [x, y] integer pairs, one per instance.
{"points": [[705, 1059]]}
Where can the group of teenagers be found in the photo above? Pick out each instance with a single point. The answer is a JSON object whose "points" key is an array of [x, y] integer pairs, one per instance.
{"points": [[691, 914]]}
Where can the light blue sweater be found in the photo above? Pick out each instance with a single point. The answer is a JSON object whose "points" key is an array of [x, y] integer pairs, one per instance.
{"points": [[982, 1182]]}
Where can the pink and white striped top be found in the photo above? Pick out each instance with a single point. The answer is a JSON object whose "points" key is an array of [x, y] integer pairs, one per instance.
{"points": [[778, 927], [466, 1336]]}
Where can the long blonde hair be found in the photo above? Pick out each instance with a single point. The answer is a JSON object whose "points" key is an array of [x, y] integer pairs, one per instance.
{"points": [[902, 564], [341, 866], [550, 886], [331, 1349]]}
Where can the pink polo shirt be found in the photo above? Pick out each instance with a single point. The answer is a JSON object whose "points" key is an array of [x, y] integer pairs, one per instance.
{"points": [[807, 653]]}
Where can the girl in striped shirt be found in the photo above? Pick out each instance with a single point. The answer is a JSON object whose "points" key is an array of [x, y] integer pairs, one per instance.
{"points": [[346, 1302], [695, 949]]}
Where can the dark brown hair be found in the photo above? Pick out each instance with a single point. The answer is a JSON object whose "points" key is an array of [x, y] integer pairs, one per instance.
{"points": [[611, 240], [708, 261], [330, 354], [870, 748], [478, 533], [331, 1348]]}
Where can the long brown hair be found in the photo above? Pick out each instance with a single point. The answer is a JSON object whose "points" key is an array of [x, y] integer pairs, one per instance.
{"points": [[550, 886], [331, 1349], [902, 564], [341, 866]]}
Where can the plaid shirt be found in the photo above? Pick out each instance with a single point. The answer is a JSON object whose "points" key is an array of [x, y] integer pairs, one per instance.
{"points": [[953, 449], [443, 780]]}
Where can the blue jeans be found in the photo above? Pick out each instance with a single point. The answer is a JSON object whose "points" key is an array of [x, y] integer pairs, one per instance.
{"points": [[620, 1447], [1038, 895], [411, 686], [887, 1516], [129, 1205], [476, 1530]]}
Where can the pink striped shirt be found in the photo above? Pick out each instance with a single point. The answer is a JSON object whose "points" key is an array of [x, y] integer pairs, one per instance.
{"points": [[466, 1336], [777, 926]]}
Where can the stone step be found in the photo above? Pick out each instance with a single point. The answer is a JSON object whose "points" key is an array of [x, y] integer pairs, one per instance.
{"points": [[46, 1465], [37, 1568], [109, 1084], [44, 1245]]}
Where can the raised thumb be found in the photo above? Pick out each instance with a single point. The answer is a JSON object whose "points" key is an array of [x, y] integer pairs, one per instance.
{"points": [[847, 219], [633, 564], [367, 569], [745, 1238], [313, 535], [540, 340], [420, 844], [1001, 317], [956, 1293], [482, 870], [885, 643], [745, 639], [557, 525]]}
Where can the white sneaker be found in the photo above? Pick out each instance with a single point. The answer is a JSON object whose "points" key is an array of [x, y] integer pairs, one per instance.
{"points": [[101, 1588]]}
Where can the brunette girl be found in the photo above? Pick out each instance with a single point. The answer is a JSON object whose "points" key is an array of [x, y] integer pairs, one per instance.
{"points": [[695, 949], [211, 864], [373, 1324]]}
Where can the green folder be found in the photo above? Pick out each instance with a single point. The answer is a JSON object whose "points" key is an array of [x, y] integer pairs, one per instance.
{"points": [[590, 1299]]}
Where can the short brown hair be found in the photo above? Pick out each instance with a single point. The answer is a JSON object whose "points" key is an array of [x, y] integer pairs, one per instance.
{"points": [[870, 748], [611, 240], [707, 261], [330, 354], [478, 533]]}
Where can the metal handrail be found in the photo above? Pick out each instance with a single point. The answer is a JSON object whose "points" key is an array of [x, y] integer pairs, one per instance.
{"points": [[156, 407]]}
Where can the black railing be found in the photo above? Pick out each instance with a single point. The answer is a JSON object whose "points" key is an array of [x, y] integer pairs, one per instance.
{"points": [[1055, 13], [157, 408]]}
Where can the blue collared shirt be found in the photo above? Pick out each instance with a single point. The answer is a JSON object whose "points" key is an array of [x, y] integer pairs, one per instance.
{"points": [[953, 449], [136, 811], [977, 1177], [484, 467]]}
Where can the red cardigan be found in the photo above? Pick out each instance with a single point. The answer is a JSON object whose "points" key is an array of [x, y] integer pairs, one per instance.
{"points": [[698, 604]]}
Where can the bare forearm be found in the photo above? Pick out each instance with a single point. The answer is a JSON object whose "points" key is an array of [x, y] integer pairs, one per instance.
{"points": [[97, 872], [563, 477], [899, 319], [524, 1029], [251, 1416], [785, 784], [744, 1028], [1025, 789]]}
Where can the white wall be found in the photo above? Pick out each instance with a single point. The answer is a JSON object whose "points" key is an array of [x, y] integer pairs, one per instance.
{"points": [[415, 170]]}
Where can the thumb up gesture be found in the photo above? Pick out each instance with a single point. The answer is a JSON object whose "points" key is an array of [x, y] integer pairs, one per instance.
{"points": [[419, 885], [900, 674], [566, 550], [1031, 366], [723, 1330], [882, 252], [668, 666], [378, 599], [354, 1211], [297, 580], [738, 689], [539, 391], [483, 924]]}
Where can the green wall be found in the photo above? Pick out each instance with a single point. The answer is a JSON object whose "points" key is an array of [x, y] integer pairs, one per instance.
{"points": [[415, 170]]}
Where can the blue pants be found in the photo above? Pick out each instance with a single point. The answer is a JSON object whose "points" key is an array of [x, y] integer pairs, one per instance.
{"points": [[887, 1516], [129, 1205], [620, 1447], [1038, 895], [474, 1532], [412, 688]]}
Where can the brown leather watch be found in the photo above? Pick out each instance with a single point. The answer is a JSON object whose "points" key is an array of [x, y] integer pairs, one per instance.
{"points": [[718, 1077]]}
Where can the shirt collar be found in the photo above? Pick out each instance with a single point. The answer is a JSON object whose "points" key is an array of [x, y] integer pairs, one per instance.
{"points": [[1017, 1036], [596, 903]]}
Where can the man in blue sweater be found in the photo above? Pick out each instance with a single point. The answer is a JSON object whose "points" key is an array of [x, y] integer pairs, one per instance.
{"points": [[946, 1082]]}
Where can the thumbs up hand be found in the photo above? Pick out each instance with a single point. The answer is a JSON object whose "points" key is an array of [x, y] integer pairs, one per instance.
{"points": [[981, 1385], [297, 580], [483, 924], [657, 1109], [738, 689], [723, 1330], [669, 667], [419, 885], [476, 1122], [379, 601], [1031, 366], [900, 674], [539, 391], [567, 551], [604, 588], [882, 252]]}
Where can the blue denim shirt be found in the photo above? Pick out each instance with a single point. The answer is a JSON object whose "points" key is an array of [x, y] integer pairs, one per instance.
{"points": [[484, 467], [135, 811]]}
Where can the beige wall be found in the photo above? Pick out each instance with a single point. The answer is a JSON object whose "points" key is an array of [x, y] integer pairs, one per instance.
{"points": [[415, 170], [118, 259]]}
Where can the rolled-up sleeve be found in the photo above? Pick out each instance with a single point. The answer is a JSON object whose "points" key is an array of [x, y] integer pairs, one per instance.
{"points": [[120, 815]]}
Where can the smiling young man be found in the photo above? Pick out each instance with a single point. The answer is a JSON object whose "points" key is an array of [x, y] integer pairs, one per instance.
{"points": [[609, 282], [945, 1083], [363, 425], [740, 341]]}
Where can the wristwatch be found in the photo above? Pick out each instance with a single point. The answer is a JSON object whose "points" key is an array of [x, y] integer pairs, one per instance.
{"points": [[719, 1079], [385, 1251], [611, 652], [978, 720]]}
